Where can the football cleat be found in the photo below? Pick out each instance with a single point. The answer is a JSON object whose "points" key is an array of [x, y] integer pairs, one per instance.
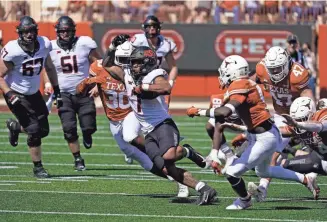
{"points": [[128, 160], [240, 204], [14, 130], [207, 195], [40, 172], [87, 141], [259, 193], [79, 164], [196, 157], [183, 191], [312, 185]]}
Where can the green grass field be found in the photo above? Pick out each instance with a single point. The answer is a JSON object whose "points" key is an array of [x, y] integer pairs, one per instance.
{"points": [[111, 190]]}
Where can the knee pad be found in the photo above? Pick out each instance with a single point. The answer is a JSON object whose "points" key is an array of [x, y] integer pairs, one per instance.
{"points": [[175, 172], [71, 135], [33, 129], [33, 140], [44, 132], [159, 162]]}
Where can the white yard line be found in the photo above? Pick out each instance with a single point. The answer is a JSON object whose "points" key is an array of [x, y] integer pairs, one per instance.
{"points": [[7, 184], [60, 153], [9, 167], [151, 216], [23, 181]]}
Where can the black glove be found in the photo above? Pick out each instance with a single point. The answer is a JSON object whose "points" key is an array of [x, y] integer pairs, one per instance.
{"points": [[57, 96], [13, 98], [120, 39]]}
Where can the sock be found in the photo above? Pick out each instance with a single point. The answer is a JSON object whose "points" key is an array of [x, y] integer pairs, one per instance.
{"points": [[264, 183], [77, 155], [238, 186], [199, 186], [187, 152], [37, 163], [225, 149]]}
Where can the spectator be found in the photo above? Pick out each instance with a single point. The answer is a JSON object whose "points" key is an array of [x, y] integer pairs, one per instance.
{"points": [[18, 10], [200, 11], [77, 10], [251, 11], [174, 11], [294, 52], [270, 8], [223, 6], [294, 8], [153, 7], [315, 9], [310, 58], [2, 12], [51, 10]]}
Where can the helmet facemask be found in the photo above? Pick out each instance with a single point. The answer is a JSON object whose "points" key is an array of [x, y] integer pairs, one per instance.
{"points": [[278, 73]]}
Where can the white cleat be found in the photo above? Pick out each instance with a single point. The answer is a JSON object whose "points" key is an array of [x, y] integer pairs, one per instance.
{"points": [[128, 160], [183, 191], [312, 184], [240, 204], [259, 193]]}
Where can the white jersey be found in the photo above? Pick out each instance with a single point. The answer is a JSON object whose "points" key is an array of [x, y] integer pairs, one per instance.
{"points": [[149, 112], [164, 47], [72, 65], [24, 78]]}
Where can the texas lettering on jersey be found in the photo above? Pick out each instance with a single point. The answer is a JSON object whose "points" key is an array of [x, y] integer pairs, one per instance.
{"points": [[112, 92], [286, 91], [252, 110]]}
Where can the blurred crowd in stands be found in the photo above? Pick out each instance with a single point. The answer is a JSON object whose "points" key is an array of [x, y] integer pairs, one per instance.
{"points": [[189, 11]]}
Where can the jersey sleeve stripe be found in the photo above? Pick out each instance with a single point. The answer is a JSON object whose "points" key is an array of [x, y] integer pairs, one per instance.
{"points": [[322, 118], [304, 85], [238, 91], [92, 72]]}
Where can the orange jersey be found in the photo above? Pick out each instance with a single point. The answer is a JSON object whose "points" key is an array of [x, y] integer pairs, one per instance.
{"points": [[286, 91], [112, 92], [252, 110], [217, 101], [316, 141]]}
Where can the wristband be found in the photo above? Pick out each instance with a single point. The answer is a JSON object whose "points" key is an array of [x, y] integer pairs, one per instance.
{"points": [[145, 87], [171, 83]]}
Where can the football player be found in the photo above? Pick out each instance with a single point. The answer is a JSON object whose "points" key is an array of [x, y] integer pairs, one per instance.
{"points": [[72, 56], [20, 66], [116, 56], [246, 98], [146, 86], [163, 47], [285, 80]]}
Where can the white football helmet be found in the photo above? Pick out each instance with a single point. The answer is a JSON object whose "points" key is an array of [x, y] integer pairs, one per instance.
{"points": [[233, 67], [322, 103], [123, 53], [277, 61], [302, 109]]}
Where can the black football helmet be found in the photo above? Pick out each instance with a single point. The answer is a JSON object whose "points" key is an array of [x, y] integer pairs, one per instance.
{"points": [[146, 58], [151, 20], [27, 30], [65, 24]]}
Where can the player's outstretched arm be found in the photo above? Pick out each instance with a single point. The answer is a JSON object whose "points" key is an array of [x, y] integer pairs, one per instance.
{"points": [[4, 68], [171, 62], [89, 83]]}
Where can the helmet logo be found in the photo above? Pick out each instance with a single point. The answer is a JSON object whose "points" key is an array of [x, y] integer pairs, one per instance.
{"points": [[148, 53]]}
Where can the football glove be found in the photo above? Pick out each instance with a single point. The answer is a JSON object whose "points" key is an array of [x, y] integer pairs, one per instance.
{"points": [[57, 97], [192, 111], [13, 98], [119, 39]]}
